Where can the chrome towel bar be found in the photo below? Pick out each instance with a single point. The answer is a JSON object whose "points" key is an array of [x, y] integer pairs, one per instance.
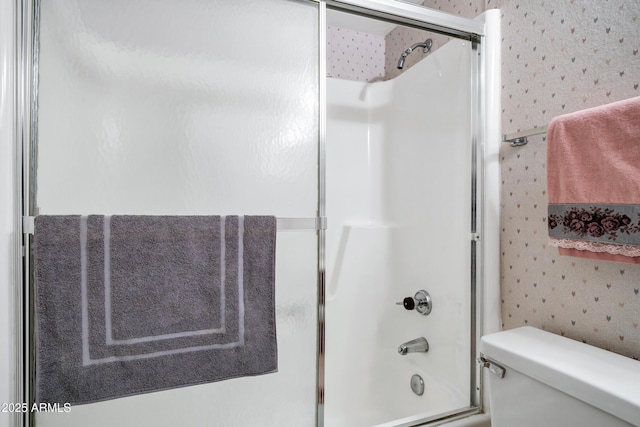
{"points": [[520, 138], [284, 224]]}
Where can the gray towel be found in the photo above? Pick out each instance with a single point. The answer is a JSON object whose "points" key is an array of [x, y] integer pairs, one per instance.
{"points": [[135, 304]]}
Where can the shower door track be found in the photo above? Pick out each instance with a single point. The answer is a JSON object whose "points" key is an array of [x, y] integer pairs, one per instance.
{"points": [[412, 15]]}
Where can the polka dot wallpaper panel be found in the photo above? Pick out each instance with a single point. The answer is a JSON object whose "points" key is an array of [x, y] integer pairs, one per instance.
{"points": [[560, 57], [354, 55]]}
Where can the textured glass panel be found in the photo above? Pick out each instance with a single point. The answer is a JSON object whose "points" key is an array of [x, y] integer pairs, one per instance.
{"points": [[178, 107], [190, 107]]}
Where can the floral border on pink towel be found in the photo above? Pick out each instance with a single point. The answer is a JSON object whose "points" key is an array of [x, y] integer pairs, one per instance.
{"points": [[611, 224]]}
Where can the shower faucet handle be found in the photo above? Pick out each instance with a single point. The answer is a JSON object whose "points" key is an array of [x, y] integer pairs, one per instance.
{"points": [[421, 302], [408, 303]]}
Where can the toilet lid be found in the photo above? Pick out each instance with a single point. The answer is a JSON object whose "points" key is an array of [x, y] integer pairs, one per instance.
{"points": [[603, 379]]}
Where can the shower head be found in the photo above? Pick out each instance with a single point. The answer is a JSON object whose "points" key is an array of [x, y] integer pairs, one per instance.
{"points": [[425, 45], [401, 60]]}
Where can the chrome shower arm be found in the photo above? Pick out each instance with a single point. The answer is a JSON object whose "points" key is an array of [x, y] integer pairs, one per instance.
{"points": [[425, 45]]}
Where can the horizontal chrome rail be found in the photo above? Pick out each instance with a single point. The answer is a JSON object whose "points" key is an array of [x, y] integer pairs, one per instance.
{"points": [[520, 138], [283, 224], [301, 224]]}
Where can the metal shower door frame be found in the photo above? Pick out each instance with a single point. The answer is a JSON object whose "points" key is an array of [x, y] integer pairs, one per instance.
{"points": [[25, 57], [25, 18], [422, 18]]}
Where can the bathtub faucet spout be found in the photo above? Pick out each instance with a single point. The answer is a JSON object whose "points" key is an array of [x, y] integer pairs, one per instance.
{"points": [[419, 345]]}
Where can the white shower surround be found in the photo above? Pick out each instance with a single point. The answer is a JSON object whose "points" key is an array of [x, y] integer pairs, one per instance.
{"points": [[399, 199], [398, 160]]}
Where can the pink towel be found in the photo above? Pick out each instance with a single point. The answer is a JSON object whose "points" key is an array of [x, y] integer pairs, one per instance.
{"points": [[593, 179]]}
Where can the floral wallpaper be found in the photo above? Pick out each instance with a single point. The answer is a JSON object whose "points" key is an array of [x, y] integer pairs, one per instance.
{"points": [[560, 57]]}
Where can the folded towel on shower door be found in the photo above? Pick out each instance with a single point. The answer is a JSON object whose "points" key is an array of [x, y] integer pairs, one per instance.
{"points": [[593, 178], [135, 304]]}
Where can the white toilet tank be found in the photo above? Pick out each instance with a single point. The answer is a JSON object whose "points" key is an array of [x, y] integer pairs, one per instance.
{"points": [[550, 381]]}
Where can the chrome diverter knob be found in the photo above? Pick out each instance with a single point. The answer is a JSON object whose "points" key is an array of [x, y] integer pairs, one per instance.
{"points": [[421, 302]]}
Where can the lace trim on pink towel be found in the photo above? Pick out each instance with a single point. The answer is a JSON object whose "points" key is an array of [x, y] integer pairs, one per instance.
{"points": [[626, 250]]}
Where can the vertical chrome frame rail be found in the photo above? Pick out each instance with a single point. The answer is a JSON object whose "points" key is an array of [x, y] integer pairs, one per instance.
{"points": [[322, 193], [26, 87], [477, 185]]}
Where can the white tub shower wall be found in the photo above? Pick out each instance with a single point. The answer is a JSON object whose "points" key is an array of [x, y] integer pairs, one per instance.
{"points": [[399, 176], [173, 110]]}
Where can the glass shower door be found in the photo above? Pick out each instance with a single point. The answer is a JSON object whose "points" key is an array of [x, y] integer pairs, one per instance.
{"points": [[401, 190], [189, 108]]}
